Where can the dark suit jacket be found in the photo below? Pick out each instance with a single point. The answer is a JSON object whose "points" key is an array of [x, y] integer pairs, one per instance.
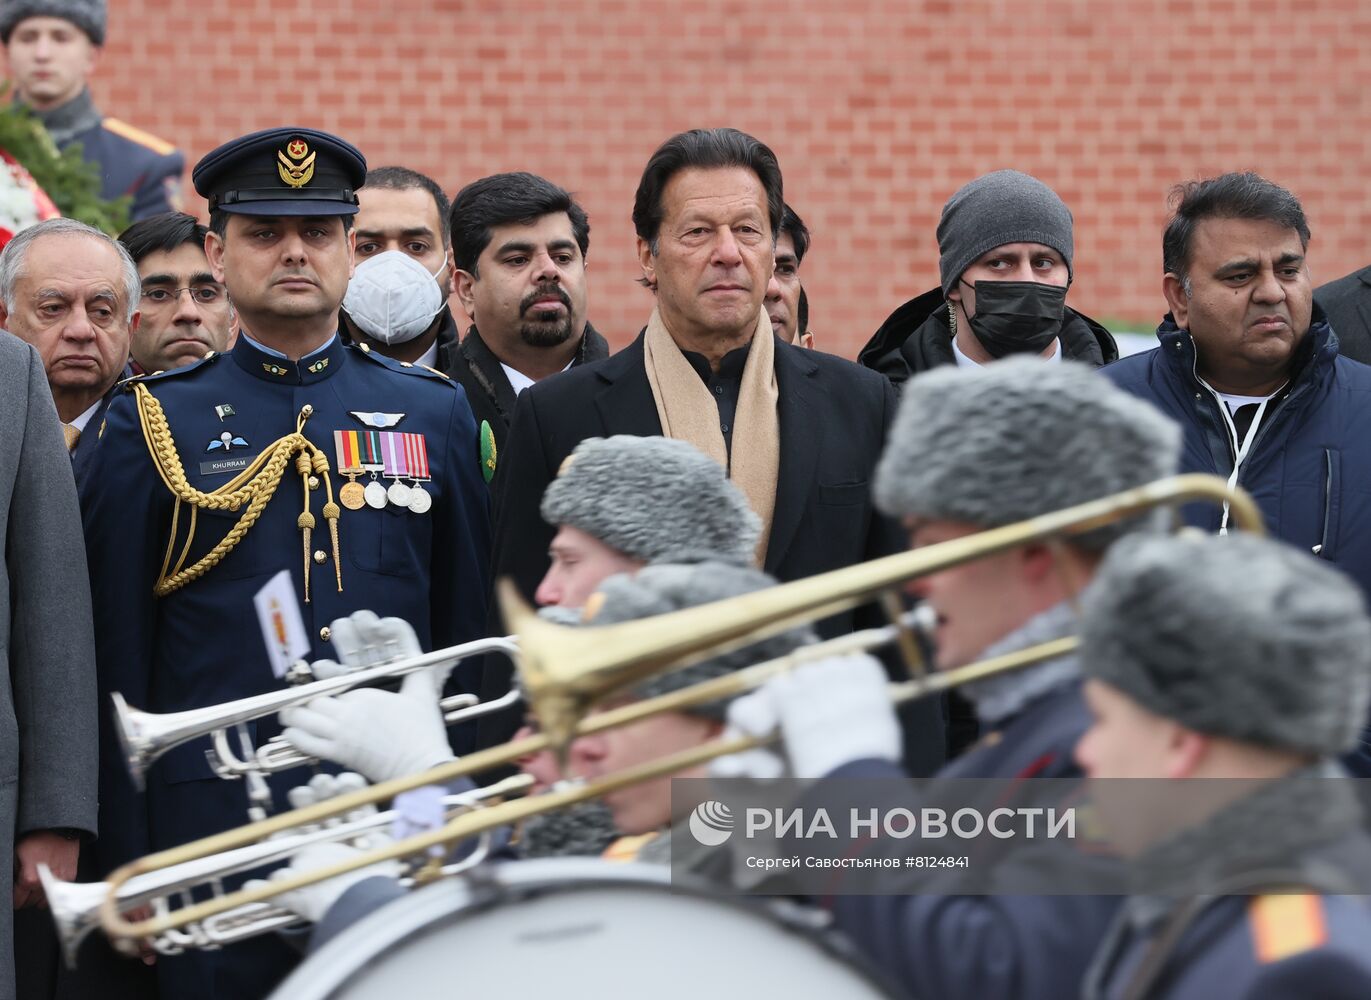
{"points": [[834, 417], [85, 445], [1347, 301]]}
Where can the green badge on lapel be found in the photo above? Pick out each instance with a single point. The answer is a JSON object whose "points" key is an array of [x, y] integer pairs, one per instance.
{"points": [[488, 453]]}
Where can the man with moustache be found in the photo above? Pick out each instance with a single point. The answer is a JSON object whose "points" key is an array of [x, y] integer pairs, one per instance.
{"points": [[519, 245], [798, 431], [72, 292], [1249, 367], [184, 312]]}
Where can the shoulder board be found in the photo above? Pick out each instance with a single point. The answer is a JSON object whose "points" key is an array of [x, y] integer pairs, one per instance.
{"points": [[626, 848], [1286, 925], [128, 383], [404, 367], [136, 135]]}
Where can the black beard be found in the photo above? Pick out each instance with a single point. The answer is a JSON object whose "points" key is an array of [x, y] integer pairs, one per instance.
{"points": [[546, 333]]}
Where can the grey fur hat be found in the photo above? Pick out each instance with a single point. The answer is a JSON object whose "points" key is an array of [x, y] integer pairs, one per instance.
{"points": [[654, 499], [1018, 438], [660, 589], [88, 15], [1235, 636], [998, 208]]}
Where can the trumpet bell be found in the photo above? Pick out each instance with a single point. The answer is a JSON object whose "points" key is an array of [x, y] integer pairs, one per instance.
{"points": [[135, 740], [75, 909]]}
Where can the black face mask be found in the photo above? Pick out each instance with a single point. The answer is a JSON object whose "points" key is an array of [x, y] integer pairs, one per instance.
{"points": [[1017, 317]]}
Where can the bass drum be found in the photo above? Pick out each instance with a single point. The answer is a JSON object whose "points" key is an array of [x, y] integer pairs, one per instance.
{"points": [[578, 927]]}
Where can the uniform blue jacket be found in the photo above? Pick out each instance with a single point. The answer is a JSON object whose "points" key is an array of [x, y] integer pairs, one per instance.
{"points": [[1237, 949], [1015, 947], [1276, 920], [135, 163], [1309, 468], [201, 645]]}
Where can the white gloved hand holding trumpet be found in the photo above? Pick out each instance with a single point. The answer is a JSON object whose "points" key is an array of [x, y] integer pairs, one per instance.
{"points": [[379, 734]]}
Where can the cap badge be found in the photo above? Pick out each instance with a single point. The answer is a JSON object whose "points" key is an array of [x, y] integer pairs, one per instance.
{"points": [[295, 163]]}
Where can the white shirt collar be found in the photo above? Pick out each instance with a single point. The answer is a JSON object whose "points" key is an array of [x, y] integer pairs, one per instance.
{"points": [[518, 381], [965, 362], [429, 359], [80, 422]]}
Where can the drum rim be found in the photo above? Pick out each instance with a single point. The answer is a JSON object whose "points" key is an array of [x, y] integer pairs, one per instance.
{"points": [[321, 973]]}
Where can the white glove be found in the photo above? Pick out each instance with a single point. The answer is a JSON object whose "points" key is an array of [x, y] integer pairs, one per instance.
{"points": [[363, 640], [312, 902], [380, 734], [830, 713]]}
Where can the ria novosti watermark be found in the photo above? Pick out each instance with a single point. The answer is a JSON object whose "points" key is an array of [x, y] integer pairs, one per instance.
{"points": [[989, 837]]}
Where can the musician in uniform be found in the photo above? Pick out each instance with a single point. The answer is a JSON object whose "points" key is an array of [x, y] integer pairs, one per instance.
{"points": [[1246, 887], [618, 504], [356, 475], [977, 448], [642, 812]]}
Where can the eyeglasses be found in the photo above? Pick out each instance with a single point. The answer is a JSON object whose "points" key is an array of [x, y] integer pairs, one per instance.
{"points": [[205, 295]]}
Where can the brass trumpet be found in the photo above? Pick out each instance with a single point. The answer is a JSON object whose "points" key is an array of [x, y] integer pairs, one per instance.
{"points": [[146, 736], [75, 905], [565, 670]]}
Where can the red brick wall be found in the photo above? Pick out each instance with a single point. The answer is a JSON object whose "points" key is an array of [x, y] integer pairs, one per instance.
{"points": [[877, 110]]}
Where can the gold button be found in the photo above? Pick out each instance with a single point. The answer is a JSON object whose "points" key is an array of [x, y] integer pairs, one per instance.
{"points": [[325, 633], [364, 348], [320, 556], [314, 482], [307, 410]]}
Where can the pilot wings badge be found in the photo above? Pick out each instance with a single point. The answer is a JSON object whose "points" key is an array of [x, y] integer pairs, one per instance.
{"points": [[381, 420]]}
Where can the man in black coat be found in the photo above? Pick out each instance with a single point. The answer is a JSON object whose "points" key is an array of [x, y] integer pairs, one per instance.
{"points": [[1347, 304], [519, 245], [1005, 249], [396, 310], [799, 431]]}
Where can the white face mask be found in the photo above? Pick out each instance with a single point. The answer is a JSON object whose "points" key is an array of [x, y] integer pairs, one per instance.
{"points": [[392, 297]]}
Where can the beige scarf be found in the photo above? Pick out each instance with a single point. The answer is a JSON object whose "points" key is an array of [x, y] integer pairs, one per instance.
{"points": [[689, 413]]}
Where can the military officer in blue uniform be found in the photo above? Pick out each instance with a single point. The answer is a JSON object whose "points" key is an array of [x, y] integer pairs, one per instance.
{"points": [[52, 46], [977, 448], [358, 475], [1193, 676]]}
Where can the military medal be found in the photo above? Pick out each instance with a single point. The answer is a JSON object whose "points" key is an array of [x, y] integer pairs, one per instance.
{"points": [[351, 495], [396, 466], [369, 458], [416, 448]]}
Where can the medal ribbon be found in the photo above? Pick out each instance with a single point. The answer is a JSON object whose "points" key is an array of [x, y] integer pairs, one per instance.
{"points": [[416, 451], [370, 442], [396, 459], [345, 444]]}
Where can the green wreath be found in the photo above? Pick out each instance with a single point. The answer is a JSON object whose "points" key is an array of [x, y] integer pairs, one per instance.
{"points": [[72, 183]]}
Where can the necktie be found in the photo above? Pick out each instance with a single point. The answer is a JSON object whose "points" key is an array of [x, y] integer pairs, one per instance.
{"points": [[73, 434]]}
